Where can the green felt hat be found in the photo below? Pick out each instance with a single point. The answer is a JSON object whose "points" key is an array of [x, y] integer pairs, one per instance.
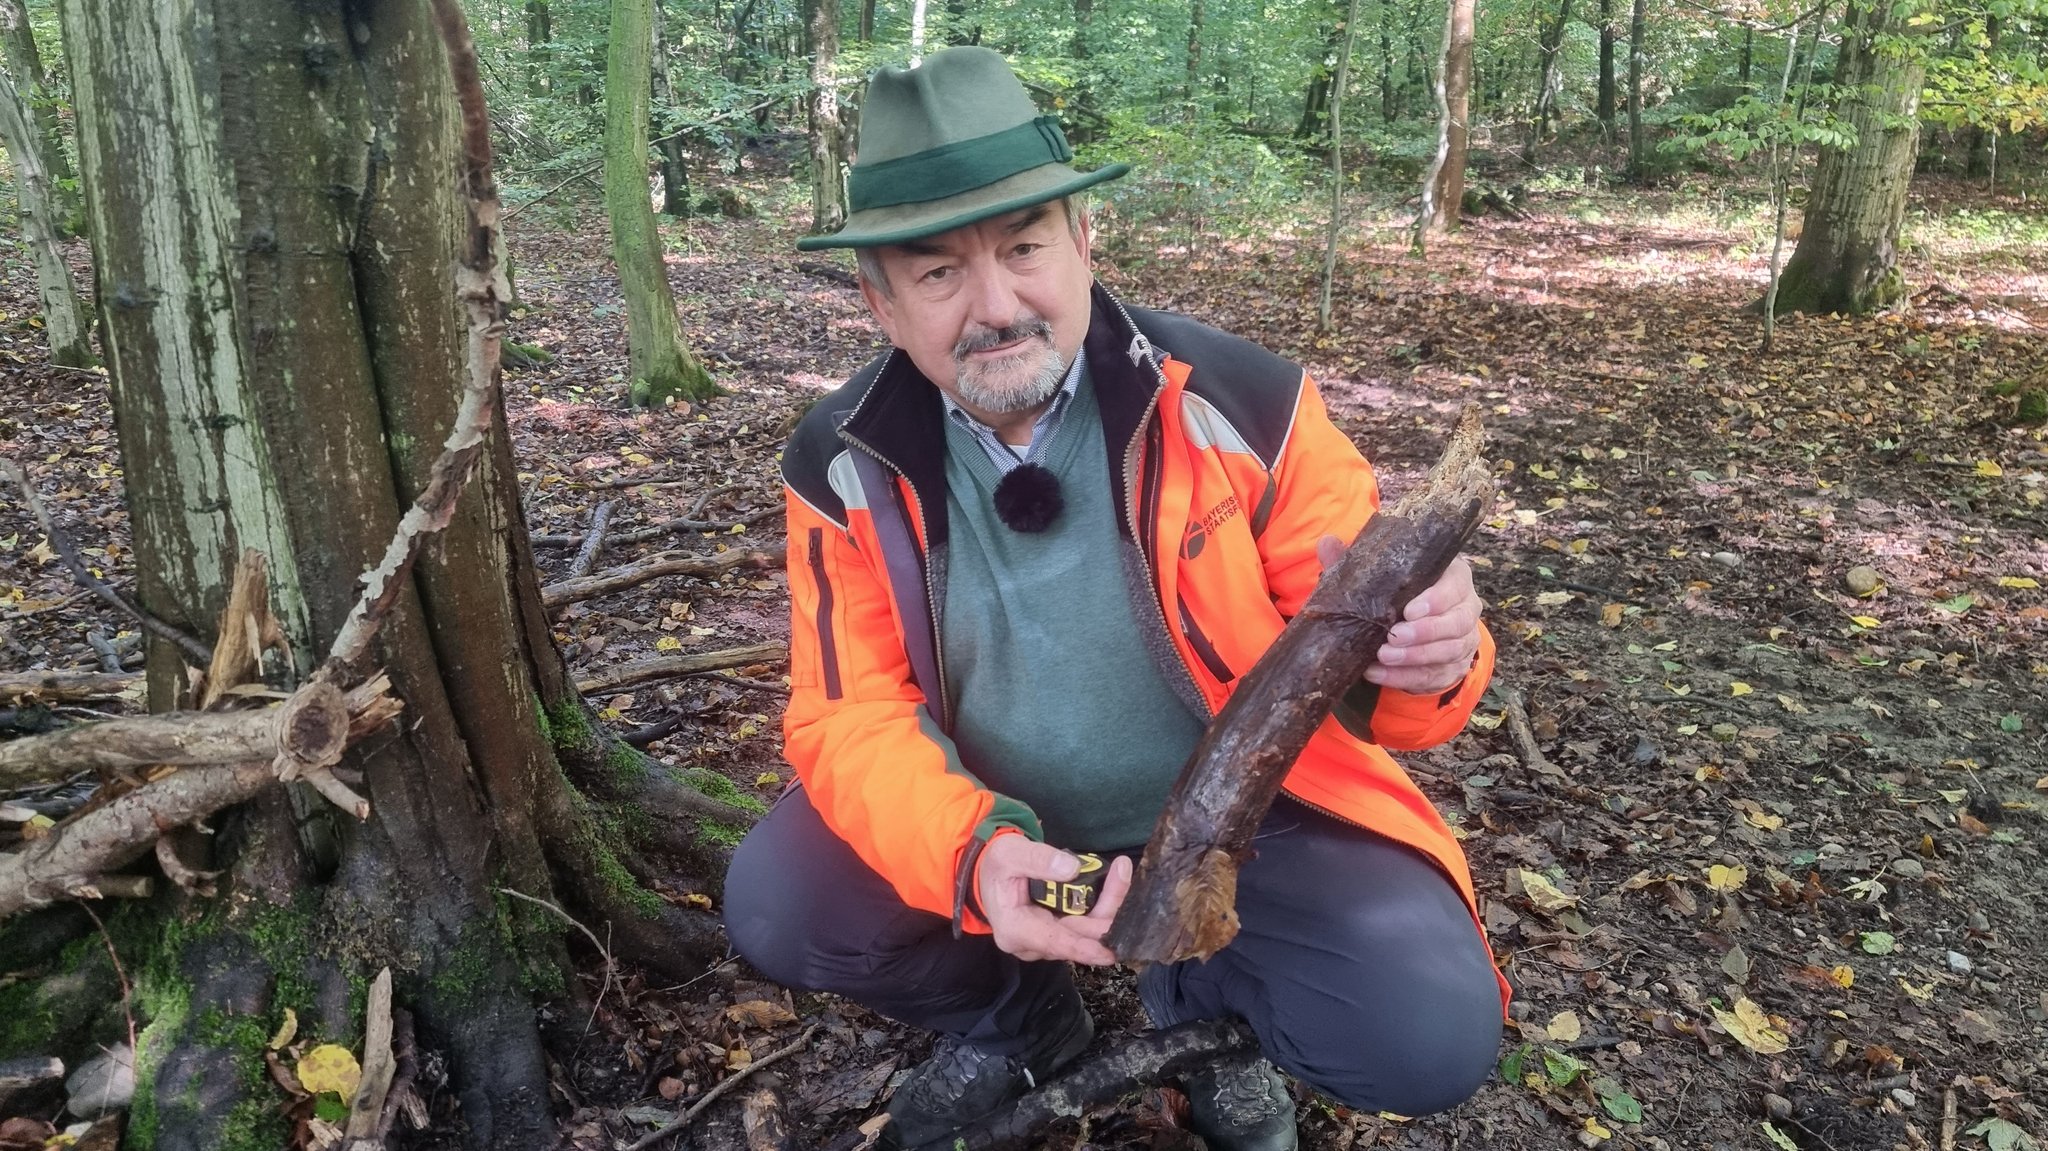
{"points": [[948, 142]]}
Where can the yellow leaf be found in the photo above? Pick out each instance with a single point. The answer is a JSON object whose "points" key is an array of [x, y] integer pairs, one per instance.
{"points": [[1752, 1028], [767, 779], [1843, 975], [1739, 688], [738, 530], [1610, 616], [738, 1057], [1543, 893], [2022, 582], [1865, 621], [330, 1068], [1989, 468], [637, 458], [285, 1030], [1924, 993], [759, 1013], [1724, 878], [1763, 820], [1594, 1128], [697, 899], [668, 643], [1695, 361], [1564, 1027], [38, 826]]}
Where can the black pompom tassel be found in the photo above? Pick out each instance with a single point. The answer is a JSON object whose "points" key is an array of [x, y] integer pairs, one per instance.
{"points": [[1028, 498]]}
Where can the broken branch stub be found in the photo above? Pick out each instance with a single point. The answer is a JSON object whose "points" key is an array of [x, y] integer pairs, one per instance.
{"points": [[1182, 903]]}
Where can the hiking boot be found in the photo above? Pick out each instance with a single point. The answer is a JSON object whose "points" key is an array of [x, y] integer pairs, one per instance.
{"points": [[961, 1083], [1240, 1106]]}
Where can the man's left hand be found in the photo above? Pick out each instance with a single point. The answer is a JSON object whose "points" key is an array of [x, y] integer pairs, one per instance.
{"points": [[1432, 647]]}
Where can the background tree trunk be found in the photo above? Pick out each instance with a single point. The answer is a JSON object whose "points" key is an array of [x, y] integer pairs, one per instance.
{"points": [[285, 390], [1315, 105], [25, 62], [867, 20], [1443, 191], [1605, 102], [1549, 41], [917, 10], [675, 173], [828, 141], [1847, 257], [63, 318], [1337, 164], [1193, 83], [1635, 88], [662, 366]]}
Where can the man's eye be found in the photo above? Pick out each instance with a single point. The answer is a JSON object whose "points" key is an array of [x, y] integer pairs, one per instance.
{"points": [[938, 273], [1028, 249]]}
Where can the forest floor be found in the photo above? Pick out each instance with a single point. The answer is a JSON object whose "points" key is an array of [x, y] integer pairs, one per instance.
{"points": [[1772, 870]]}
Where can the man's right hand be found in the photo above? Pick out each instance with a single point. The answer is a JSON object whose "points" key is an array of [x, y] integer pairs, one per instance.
{"points": [[1028, 931]]}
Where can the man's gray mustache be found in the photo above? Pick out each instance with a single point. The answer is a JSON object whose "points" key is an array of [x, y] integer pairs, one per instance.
{"points": [[997, 337]]}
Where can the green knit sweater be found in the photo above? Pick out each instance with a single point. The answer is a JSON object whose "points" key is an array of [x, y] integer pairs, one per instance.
{"points": [[1056, 702]]}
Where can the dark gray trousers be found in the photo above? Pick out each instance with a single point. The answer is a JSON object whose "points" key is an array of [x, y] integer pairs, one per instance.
{"points": [[1356, 963]]}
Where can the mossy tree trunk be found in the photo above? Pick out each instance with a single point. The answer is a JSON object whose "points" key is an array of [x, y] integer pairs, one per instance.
{"points": [[63, 318], [25, 62], [661, 365], [828, 136], [1848, 255], [274, 211]]}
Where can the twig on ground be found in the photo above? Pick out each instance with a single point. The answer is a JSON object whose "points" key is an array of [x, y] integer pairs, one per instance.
{"points": [[110, 660], [380, 1064], [1525, 735], [58, 686], [665, 528], [1948, 1117], [593, 544], [611, 966], [570, 591], [738, 680], [728, 1083], [677, 666], [121, 973], [193, 649]]}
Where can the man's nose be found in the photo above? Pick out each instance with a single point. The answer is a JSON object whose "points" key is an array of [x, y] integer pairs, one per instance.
{"points": [[993, 303]]}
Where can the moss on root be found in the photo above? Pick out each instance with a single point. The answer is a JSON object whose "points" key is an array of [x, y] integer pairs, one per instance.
{"points": [[718, 787]]}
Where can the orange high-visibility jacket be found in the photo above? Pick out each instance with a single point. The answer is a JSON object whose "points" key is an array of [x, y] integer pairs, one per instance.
{"points": [[1228, 470]]}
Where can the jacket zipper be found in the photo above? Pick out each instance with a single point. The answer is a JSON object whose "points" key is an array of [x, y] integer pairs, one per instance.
{"points": [[1131, 492], [828, 648]]}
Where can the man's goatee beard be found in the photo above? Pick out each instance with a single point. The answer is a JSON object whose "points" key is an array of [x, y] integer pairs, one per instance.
{"points": [[998, 398]]}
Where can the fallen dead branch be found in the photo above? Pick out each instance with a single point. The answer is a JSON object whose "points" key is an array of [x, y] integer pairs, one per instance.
{"points": [[70, 686], [570, 591], [366, 1110], [665, 528], [1182, 903], [724, 1085], [674, 666], [179, 738], [1146, 1061], [764, 1116], [192, 648], [593, 544], [1525, 735]]}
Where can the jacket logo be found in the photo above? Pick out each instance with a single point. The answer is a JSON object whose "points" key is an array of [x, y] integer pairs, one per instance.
{"points": [[1198, 532]]}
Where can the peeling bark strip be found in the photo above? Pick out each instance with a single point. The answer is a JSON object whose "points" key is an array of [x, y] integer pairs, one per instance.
{"points": [[675, 666], [1182, 904], [569, 591]]}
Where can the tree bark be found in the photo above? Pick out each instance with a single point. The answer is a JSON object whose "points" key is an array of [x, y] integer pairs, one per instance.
{"points": [[661, 365], [675, 174], [1315, 105], [1182, 903], [1323, 308], [1847, 256], [1636, 20], [917, 10], [1443, 187], [828, 142], [1549, 42], [867, 21], [1605, 104], [272, 200], [1192, 85], [25, 62], [63, 317]]}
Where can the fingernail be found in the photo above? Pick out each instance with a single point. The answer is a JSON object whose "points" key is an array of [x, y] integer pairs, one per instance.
{"points": [[1401, 633], [1418, 606], [1393, 654]]}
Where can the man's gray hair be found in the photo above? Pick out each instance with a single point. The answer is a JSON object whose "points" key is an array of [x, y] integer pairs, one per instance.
{"points": [[869, 260]]}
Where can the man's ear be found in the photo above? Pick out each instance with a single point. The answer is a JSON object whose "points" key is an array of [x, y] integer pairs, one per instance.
{"points": [[1084, 236], [881, 307]]}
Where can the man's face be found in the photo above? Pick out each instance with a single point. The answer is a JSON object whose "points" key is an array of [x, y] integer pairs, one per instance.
{"points": [[993, 312]]}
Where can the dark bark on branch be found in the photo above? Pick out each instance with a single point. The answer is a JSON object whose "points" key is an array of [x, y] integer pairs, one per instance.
{"points": [[675, 666], [569, 591], [1145, 1061], [1182, 902], [593, 544]]}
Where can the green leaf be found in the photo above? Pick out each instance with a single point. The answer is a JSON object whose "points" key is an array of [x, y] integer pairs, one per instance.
{"points": [[1958, 605], [1618, 1102], [2011, 721], [1511, 1067], [327, 1105], [1879, 942], [1779, 1138], [1560, 1067], [2004, 1136]]}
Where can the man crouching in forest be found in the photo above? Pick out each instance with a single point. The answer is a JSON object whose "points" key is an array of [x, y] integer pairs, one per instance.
{"points": [[1031, 549]]}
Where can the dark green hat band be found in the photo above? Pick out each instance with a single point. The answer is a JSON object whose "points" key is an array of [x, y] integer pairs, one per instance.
{"points": [[958, 167]]}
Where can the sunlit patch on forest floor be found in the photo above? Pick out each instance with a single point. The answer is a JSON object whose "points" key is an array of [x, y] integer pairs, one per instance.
{"points": [[1790, 866]]}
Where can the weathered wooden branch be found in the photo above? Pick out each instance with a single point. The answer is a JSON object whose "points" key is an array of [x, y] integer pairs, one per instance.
{"points": [[665, 528], [180, 738], [673, 666], [724, 1085], [193, 649], [1182, 903], [1146, 1061], [570, 591], [70, 686], [593, 544]]}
